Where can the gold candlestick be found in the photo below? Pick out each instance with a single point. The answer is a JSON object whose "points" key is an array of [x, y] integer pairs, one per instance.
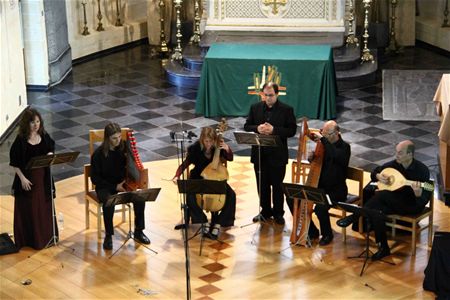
{"points": [[393, 46], [177, 51], [163, 49], [195, 38], [99, 17], [445, 24], [118, 21], [351, 39], [366, 56], [85, 28]]}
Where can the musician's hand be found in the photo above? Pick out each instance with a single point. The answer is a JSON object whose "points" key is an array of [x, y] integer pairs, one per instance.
{"points": [[224, 146], [120, 187], [26, 184], [310, 156], [265, 128], [315, 136], [175, 179], [417, 188], [383, 178]]}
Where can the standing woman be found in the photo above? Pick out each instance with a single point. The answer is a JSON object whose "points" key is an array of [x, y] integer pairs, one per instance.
{"points": [[32, 189], [201, 154]]}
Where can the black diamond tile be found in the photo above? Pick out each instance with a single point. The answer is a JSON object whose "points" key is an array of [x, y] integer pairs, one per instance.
{"points": [[371, 99], [373, 110], [80, 102], [423, 157], [93, 83], [110, 114], [372, 120], [99, 124], [188, 105], [373, 143], [177, 127], [161, 85], [184, 116], [373, 131], [373, 155], [147, 115], [128, 84], [64, 124], [151, 104], [116, 103], [122, 94], [134, 75], [167, 151], [140, 137], [87, 93], [372, 90], [190, 96], [413, 132], [59, 135], [141, 126], [72, 113], [158, 95]]}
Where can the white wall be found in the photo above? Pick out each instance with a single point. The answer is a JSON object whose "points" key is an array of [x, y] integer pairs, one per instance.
{"points": [[35, 43], [12, 70], [133, 14]]}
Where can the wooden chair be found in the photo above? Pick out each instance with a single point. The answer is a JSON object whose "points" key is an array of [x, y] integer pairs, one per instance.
{"points": [[96, 137], [414, 228], [353, 174]]}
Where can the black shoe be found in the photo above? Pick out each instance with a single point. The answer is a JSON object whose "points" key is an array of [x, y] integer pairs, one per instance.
{"points": [[325, 240], [180, 226], [279, 220], [260, 218], [313, 234], [345, 222], [382, 252], [214, 233], [141, 237], [107, 242]]}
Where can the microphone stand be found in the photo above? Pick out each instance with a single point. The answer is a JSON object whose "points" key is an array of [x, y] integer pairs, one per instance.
{"points": [[185, 214]]}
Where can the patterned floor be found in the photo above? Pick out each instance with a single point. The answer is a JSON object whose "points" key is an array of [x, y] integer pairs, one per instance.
{"points": [[129, 88]]}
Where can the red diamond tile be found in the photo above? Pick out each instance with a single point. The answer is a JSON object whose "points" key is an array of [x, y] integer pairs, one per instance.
{"points": [[220, 246], [216, 256], [210, 278], [214, 267], [208, 289]]}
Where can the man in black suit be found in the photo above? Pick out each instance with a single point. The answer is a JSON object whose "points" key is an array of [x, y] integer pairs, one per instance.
{"points": [[271, 117]]}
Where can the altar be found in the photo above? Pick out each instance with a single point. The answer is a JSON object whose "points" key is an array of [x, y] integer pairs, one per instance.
{"points": [[233, 74]]}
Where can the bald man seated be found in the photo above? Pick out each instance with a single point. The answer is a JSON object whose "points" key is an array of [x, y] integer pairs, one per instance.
{"points": [[406, 200]]}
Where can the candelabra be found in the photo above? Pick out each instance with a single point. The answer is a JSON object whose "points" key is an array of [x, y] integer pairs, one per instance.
{"points": [[445, 24], [177, 51], [118, 21], [366, 56], [99, 17], [393, 46], [195, 38], [162, 37], [85, 28], [351, 39]]}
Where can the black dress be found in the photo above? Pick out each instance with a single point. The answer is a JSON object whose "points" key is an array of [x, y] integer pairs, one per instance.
{"points": [[33, 224]]}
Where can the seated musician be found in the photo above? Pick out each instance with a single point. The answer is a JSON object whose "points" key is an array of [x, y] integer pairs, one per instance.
{"points": [[108, 170], [201, 155], [332, 178], [404, 201]]}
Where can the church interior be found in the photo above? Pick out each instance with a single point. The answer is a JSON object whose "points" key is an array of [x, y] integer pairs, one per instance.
{"points": [[143, 63]]}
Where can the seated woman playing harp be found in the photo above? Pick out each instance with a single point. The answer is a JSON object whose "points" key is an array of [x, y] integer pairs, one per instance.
{"points": [[201, 154]]}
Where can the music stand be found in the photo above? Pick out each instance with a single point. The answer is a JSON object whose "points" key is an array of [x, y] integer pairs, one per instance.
{"points": [[259, 140], [202, 187], [48, 160], [143, 195], [307, 193], [365, 213]]}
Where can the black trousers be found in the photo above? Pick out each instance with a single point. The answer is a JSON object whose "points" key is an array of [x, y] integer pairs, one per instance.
{"points": [[388, 202], [224, 217], [108, 212], [271, 190]]}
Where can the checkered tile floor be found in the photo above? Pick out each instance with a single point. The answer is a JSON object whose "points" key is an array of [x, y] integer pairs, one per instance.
{"points": [[129, 88]]}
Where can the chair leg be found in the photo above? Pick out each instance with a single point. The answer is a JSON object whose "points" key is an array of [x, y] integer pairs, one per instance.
{"points": [[99, 221], [394, 222], [344, 230], [413, 239], [86, 212], [430, 231], [124, 215]]}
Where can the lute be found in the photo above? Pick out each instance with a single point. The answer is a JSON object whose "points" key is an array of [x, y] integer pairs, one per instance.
{"points": [[397, 180]]}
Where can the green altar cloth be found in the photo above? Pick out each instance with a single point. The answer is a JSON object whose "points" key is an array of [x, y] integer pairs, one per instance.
{"points": [[307, 73]]}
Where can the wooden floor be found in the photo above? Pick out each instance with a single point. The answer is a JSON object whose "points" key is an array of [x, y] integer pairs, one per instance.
{"points": [[247, 265]]}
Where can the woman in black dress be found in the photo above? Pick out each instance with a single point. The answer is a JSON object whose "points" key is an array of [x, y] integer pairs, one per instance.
{"points": [[32, 189], [201, 155]]}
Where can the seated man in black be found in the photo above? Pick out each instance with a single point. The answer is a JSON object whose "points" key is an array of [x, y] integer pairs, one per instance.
{"points": [[404, 201]]}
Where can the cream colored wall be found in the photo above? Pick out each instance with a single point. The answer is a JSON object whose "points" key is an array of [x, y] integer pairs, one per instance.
{"points": [[35, 43], [133, 15], [12, 74], [429, 22]]}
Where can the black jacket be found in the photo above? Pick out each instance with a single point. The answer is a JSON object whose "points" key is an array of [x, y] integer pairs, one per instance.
{"points": [[282, 118]]}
